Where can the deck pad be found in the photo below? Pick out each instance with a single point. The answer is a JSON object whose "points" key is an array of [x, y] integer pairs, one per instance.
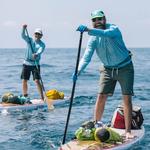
{"points": [[93, 145], [36, 104]]}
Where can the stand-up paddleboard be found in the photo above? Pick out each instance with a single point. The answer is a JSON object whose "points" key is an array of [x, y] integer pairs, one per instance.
{"points": [[93, 145], [36, 104]]}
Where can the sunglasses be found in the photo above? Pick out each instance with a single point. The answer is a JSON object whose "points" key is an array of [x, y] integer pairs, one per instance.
{"points": [[98, 19], [37, 33]]}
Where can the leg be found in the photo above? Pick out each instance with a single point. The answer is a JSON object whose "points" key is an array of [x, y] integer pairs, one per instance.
{"points": [[126, 79], [107, 86], [128, 114], [99, 106], [39, 87], [36, 78], [25, 87], [25, 76]]}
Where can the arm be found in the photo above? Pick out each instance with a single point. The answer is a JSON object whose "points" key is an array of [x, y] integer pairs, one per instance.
{"points": [[87, 55], [24, 36], [112, 31], [41, 49]]}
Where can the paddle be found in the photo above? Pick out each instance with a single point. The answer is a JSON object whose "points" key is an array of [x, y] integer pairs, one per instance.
{"points": [[49, 104], [73, 88]]}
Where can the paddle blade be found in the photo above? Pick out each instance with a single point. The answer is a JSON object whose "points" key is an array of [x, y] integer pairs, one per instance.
{"points": [[49, 103]]}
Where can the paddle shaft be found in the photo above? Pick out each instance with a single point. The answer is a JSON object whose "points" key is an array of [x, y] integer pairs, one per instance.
{"points": [[73, 88], [42, 85]]}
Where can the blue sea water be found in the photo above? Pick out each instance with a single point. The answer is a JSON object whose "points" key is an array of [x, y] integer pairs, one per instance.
{"points": [[43, 130]]}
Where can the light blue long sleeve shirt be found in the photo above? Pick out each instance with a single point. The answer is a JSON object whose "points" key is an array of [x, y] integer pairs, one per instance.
{"points": [[109, 47], [38, 48]]}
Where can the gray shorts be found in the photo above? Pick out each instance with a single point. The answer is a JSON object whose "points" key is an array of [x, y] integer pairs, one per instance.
{"points": [[109, 78]]}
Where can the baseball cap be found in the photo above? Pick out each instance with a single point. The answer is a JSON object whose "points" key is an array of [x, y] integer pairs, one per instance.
{"points": [[38, 30], [97, 13]]}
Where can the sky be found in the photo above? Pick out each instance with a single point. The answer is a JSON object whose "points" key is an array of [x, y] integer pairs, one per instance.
{"points": [[60, 18]]}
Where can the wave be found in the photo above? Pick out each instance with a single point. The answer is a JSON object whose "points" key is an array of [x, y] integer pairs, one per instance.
{"points": [[11, 66], [47, 66]]}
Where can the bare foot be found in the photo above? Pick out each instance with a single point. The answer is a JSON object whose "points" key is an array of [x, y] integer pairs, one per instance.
{"points": [[129, 135]]}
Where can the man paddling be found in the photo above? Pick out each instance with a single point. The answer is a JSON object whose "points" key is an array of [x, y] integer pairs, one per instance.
{"points": [[107, 40], [32, 60]]}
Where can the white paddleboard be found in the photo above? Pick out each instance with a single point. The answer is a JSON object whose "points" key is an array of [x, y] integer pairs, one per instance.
{"points": [[36, 104], [86, 145]]}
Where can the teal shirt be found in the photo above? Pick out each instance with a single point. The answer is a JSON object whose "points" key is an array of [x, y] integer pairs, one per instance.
{"points": [[109, 46], [38, 48]]}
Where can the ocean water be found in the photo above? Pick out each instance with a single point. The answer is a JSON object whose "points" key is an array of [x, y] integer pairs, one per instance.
{"points": [[43, 130]]}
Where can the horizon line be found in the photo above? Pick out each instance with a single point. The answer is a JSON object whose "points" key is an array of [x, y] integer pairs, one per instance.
{"points": [[64, 47]]}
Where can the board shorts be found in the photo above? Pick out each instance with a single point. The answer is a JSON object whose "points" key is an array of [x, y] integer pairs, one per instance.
{"points": [[110, 76], [27, 70]]}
